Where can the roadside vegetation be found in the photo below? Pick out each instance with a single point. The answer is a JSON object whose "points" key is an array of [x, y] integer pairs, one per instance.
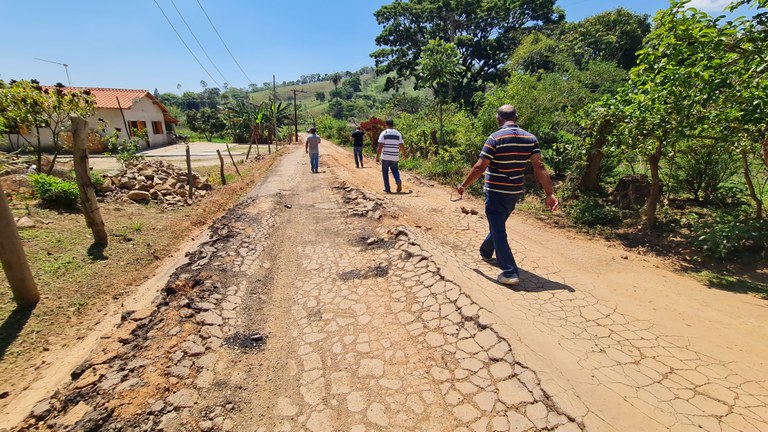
{"points": [[653, 127]]}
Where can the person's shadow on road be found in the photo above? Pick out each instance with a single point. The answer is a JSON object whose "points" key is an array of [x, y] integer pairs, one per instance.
{"points": [[530, 282]]}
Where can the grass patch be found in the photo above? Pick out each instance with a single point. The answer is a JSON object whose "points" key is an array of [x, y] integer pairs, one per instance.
{"points": [[732, 283]]}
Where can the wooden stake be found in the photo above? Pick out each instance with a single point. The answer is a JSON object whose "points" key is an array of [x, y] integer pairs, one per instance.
{"points": [[190, 182], [14, 261], [83, 175], [233, 161], [221, 162]]}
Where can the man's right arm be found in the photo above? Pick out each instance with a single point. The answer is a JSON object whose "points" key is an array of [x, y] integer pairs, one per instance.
{"points": [[378, 151]]}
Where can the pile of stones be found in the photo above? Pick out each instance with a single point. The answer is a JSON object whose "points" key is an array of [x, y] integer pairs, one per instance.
{"points": [[158, 181]]}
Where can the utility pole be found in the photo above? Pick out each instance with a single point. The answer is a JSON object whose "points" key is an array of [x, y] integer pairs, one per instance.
{"points": [[295, 114], [274, 111], [14, 261]]}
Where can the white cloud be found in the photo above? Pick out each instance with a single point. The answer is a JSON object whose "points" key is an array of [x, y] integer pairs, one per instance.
{"points": [[710, 5]]}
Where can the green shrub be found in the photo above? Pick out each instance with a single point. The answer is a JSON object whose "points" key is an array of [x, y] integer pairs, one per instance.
{"points": [[125, 151], [97, 180], [590, 211], [53, 190], [730, 234], [334, 130], [701, 169]]}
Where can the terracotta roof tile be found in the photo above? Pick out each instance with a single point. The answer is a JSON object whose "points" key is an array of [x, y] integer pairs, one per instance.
{"points": [[107, 98]]}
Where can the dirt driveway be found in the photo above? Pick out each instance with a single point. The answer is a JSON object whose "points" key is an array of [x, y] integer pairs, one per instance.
{"points": [[201, 153], [321, 304]]}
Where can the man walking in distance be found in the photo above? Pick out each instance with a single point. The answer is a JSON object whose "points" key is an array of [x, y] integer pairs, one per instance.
{"points": [[357, 146], [503, 160], [390, 146], [311, 146]]}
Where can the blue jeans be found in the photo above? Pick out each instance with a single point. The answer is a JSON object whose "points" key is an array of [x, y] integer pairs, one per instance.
{"points": [[387, 165], [314, 161], [358, 155], [498, 207]]}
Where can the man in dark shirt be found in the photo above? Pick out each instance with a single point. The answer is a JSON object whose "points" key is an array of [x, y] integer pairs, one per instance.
{"points": [[357, 146], [503, 159]]}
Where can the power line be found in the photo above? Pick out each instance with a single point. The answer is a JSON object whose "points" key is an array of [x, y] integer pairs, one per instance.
{"points": [[185, 44], [198, 42], [225, 44]]}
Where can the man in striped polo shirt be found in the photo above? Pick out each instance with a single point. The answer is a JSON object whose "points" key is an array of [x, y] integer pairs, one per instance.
{"points": [[503, 159], [390, 146]]}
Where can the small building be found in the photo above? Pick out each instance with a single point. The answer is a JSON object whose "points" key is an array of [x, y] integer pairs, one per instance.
{"points": [[124, 110]]}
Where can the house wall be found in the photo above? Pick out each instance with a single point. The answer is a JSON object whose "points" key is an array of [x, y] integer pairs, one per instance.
{"points": [[143, 110]]}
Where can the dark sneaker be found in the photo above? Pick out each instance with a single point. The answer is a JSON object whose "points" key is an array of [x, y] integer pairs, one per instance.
{"points": [[387, 191], [491, 260], [508, 280], [399, 186]]}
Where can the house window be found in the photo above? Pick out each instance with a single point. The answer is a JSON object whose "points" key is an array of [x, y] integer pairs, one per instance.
{"points": [[157, 128], [137, 125]]}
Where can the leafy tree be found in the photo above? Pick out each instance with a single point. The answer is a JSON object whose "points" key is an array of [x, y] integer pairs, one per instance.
{"points": [[664, 93], [21, 110], [439, 70], [58, 106], [484, 32], [537, 52], [613, 36], [353, 84], [320, 95], [206, 121], [336, 79]]}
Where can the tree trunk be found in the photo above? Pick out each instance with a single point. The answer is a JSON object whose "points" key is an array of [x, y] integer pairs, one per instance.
{"points": [[53, 162], [190, 181], [39, 151], [442, 136], [590, 181], [221, 165], [83, 175], [751, 186], [765, 151], [13, 259], [653, 197]]}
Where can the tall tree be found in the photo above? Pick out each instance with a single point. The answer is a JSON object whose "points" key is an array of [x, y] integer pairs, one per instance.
{"points": [[438, 70], [484, 32], [207, 122], [613, 36]]}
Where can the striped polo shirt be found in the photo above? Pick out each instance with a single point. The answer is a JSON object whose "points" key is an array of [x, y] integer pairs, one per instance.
{"points": [[509, 149], [391, 139]]}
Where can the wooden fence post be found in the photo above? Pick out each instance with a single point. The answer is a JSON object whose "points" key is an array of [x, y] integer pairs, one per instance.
{"points": [[14, 261], [221, 162], [83, 175], [233, 161], [190, 182]]}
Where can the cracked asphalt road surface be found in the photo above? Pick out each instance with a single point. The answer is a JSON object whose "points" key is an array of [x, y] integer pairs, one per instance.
{"points": [[320, 304]]}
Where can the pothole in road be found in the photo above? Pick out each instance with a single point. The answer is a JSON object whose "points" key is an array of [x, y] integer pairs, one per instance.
{"points": [[379, 270], [245, 341]]}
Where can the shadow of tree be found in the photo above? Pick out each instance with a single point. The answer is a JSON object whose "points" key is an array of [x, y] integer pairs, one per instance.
{"points": [[530, 282], [12, 327], [96, 252]]}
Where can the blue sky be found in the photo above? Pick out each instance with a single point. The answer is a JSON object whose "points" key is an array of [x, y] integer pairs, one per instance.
{"points": [[129, 44]]}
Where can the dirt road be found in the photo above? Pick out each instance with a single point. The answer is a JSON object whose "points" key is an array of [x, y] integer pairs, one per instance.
{"points": [[321, 304]]}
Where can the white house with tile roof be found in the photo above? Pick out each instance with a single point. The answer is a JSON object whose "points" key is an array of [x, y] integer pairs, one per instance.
{"points": [[124, 110]]}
